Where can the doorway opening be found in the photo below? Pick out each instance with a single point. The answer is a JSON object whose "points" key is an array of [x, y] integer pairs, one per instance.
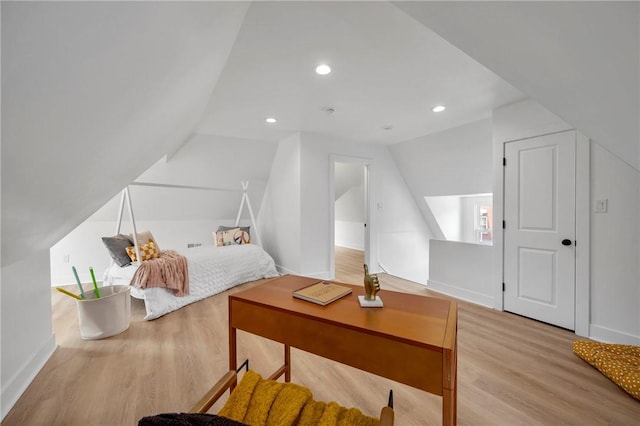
{"points": [[349, 227]]}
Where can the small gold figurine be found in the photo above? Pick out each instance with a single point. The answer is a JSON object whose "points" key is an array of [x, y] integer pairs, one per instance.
{"points": [[371, 284]]}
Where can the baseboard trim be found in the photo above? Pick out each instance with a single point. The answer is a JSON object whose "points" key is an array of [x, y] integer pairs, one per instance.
{"points": [[319, 275], [284, 271], [461, 293], [608, 335], [348, 245], [13, 390]]}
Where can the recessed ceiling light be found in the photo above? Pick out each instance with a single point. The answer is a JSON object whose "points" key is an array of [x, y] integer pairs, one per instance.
{"points": [[271, 120], [438, 108], [323, 69], [387, 127]]}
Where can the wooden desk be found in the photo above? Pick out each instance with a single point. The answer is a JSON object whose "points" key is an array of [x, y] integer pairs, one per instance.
{"points": [[412, 339]]}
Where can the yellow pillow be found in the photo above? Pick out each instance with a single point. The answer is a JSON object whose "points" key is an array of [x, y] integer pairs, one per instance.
{"points": [[147, 251], [144, 237]]}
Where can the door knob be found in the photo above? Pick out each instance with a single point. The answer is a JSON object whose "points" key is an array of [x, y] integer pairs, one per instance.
{"points": [[566, 242]]}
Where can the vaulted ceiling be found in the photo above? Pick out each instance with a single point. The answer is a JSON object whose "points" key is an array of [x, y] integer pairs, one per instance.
{"points": [[579, 59], [393, 61], [388, 70], [94, 93]]}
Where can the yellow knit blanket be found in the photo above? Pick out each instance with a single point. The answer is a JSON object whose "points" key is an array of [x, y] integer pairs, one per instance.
{"points": [[256, 401]]}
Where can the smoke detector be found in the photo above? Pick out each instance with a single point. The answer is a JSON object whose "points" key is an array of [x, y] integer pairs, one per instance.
{"points": [[329, 110]]}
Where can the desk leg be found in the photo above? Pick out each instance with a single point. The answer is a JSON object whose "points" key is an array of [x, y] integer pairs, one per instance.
{"points": [[449, 408], [233, 355], [450, 387], [287, 363]]}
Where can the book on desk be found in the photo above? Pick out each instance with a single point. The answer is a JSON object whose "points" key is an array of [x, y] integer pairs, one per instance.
{"points": [[322, 292]]}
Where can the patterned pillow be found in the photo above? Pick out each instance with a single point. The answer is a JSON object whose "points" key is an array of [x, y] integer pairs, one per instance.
{"points": [[145, 236], [246, 229], [231, 237], [147, 251]]}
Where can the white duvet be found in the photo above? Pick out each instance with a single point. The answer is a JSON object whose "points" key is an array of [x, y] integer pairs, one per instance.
{"points": [[212, 270]]}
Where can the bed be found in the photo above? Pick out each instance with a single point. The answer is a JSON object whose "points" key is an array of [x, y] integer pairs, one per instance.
{"points": [[212, 270]]}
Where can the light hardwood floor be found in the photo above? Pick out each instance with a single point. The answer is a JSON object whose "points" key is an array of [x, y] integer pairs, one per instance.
{"points": [[511, 370]]}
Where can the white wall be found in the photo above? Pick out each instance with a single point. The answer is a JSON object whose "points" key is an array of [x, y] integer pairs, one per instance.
{"points": [[400, 236], [349, 234], [453, 162], [462, 270], [456, 161], [615, 277], [447, 210], [27, 334], [279, 218], [349, 205]]}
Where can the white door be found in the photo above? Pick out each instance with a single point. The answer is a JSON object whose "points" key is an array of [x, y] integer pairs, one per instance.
{"points": [[539, 229]]}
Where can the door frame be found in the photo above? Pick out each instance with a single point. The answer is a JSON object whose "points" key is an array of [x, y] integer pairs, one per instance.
{"points": [[583, 212], [368, 231]]}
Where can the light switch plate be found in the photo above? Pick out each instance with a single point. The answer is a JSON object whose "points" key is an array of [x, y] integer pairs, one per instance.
{"points": [[600, 206]]}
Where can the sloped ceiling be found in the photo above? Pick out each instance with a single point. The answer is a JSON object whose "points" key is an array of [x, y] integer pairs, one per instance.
{"points": [[388, 70], [579, 59], [93, 94]]}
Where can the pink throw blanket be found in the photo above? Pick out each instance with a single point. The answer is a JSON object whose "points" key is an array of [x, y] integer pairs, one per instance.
{"points": [[169, 270]]}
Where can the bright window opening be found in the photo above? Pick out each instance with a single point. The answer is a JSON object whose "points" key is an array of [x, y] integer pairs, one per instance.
{"points": [[467, 218]]}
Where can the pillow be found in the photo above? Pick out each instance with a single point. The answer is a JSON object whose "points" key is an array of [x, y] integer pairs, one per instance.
{"points": [[117, 248], [231, 237], [147, 251], [144, 237], [246, 229]]}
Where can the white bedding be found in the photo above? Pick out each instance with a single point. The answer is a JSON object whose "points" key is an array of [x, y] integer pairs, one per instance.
{"points": [[212, 270]]}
